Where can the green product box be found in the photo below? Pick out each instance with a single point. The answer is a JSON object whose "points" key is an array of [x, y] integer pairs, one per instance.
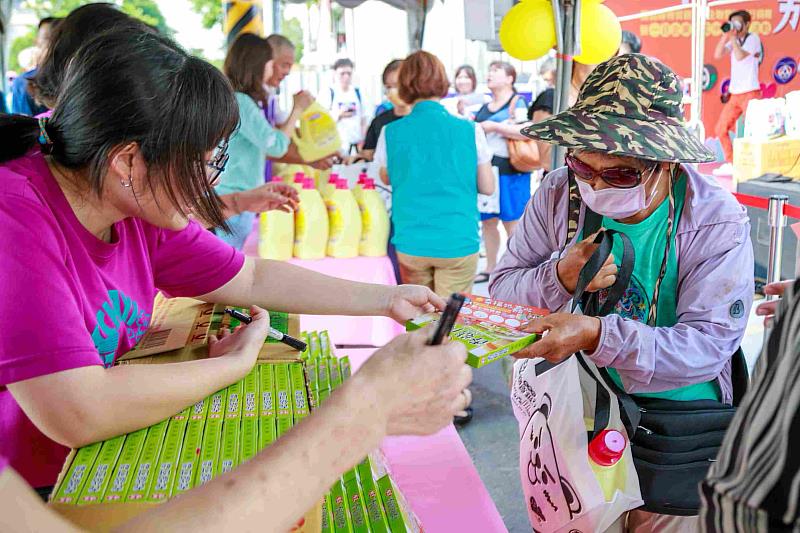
{"points": [[349, 475], [333, 371], [394, 510], [102, 470], [233, 409], [341, 517], [313, 346], [323, 395], [267, 407], [311, 373], [199, 411], [372, 500], [248, 439], [325, 347], [73, 483], [167, 469], [279, 321], [305, 355], [209, 450], [355, 504], [267, 433], [283, 390], [327, 517], [146, 467], [217, 404], [344, 367], [323, 375], [229, 451], [190, 454], [490, 329], [126, 463], [299, 396], [183, 416], [315, 394], [250, 394], [284, 425]]}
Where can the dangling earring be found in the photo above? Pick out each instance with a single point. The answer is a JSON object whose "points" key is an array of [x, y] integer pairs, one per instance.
{"points": [[128, 184]]}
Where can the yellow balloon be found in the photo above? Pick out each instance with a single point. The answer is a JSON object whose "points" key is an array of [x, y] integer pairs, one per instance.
{"points": [[528, 30], [601, 33]]}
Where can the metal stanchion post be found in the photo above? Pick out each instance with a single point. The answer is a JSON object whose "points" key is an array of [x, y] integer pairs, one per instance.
{"points": [[777, 221]]}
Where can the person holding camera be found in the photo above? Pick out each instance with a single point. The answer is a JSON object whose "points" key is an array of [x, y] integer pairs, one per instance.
{"points": [[745, 50]]}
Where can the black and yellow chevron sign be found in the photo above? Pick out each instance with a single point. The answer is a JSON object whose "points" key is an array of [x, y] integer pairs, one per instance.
{"points": [[242, 16]]}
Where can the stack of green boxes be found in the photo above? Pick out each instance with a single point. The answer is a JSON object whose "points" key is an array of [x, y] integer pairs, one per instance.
{"points": [[197, 444], [364, 500]]}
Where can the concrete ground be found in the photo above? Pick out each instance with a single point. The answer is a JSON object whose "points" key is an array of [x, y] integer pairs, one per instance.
{"points": [[492, 436]]}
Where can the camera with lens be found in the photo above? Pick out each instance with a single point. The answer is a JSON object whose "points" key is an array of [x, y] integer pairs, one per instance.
{"points": [[734, 24]]}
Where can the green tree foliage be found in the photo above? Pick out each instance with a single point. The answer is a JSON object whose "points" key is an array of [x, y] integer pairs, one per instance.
{"points": [[20, 43], [211, 11], [146, 10]]}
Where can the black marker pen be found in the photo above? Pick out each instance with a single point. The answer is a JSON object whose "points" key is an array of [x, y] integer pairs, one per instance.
{"points": [[273, 333]]}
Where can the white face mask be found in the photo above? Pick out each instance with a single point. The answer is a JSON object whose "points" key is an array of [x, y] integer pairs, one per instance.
{"points": [[617, 203]]}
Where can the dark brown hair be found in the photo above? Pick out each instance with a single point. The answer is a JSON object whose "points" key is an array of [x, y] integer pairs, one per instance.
{"points": [[129, 86], [508, 68], [470, 72], [393, 66], [244, 66], [746, 17], [422, 76]]}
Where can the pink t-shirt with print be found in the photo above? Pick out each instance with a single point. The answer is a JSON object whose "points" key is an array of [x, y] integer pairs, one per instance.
{"points": [[69, 300]]}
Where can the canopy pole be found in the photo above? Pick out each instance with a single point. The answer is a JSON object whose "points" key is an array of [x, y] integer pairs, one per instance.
{"points": [[567, 19]]}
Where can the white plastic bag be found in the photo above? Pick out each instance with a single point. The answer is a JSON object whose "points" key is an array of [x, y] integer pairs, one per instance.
{"points": [[489, 204], [562, 492], [765, 118]]}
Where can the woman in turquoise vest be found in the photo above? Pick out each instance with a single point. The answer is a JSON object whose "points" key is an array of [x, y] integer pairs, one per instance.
{"points": [[436, 164]]}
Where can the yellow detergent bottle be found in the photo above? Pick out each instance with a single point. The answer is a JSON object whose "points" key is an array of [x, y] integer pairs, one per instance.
{"points": [[374, 222], [359, 188], [317, 136], [327, 188], [345, 222], [605, 452], [299, 180], [310, 224], [276, 233]]}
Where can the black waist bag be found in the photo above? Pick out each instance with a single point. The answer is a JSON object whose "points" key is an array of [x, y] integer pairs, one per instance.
{"points": [[673, 442]]}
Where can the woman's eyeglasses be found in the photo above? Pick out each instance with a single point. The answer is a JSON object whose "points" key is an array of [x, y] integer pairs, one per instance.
{"points": [[216, 165], [618, 177]]}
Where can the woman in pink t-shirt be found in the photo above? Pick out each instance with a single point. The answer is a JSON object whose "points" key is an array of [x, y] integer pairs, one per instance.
{"points": [[96, 205]]}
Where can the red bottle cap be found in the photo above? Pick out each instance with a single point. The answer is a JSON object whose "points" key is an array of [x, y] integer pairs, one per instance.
{"points": [[369, 185], [276, 179], [299, 177], [333, 179], [362, 178], [308, 183], [341, 185], [607, 447]]}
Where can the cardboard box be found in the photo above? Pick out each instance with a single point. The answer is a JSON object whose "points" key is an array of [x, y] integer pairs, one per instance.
{"points": [[126, 466], [102, 471], [753, 158], [488, 328]]}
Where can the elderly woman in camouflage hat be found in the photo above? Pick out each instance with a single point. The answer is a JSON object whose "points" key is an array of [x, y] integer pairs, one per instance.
{"points": [[684, 313]]}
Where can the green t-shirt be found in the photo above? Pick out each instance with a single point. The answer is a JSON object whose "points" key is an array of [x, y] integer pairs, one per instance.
{"points": [[649, 239]]}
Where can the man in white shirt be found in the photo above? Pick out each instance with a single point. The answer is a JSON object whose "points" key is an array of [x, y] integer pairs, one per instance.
{"points": [[745, 50], [344, 101]]}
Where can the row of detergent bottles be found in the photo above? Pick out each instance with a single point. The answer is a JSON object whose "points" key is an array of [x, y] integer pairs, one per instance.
{"points": [[330, 221]]}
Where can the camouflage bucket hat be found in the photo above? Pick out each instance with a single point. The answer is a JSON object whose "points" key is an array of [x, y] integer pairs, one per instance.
{"points": [[629, 106]]}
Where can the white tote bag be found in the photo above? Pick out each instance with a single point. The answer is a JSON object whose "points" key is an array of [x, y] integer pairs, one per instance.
{"points": [[555, 407]]}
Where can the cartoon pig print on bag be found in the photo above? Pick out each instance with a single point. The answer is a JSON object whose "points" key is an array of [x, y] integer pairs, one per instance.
{"points": [[553, 495]]}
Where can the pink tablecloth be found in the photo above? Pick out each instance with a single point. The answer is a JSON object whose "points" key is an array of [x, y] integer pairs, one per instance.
{"points": [[438, 478], [349, 331]]}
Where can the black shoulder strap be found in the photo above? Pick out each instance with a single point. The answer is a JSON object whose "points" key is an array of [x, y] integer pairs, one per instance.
{"points": [[605, 242], [573, 209]]}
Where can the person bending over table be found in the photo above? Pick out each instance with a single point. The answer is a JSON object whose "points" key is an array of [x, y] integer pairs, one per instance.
{"points": [[97, 206], [684, 313]]}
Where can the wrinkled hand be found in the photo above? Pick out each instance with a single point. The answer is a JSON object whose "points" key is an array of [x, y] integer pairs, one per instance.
{"points": [[409, 301], [429, 393], [767, 309], [302, 100], [564, 334], [569, 267], [270, 196], [243, 345]]}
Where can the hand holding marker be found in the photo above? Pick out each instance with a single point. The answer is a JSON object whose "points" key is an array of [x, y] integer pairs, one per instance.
{"points": [[273, 333]]}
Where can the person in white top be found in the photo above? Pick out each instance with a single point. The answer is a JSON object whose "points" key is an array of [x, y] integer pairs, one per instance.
{"points": [[745, 50], [344, 101]]}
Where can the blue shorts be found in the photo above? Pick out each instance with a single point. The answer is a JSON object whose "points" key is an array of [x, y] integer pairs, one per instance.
{"points": [[241, 226], [515, 192]]}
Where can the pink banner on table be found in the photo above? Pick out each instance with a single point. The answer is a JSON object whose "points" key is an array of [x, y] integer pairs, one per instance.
{"points": [[437, 477], [350, 331]]}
